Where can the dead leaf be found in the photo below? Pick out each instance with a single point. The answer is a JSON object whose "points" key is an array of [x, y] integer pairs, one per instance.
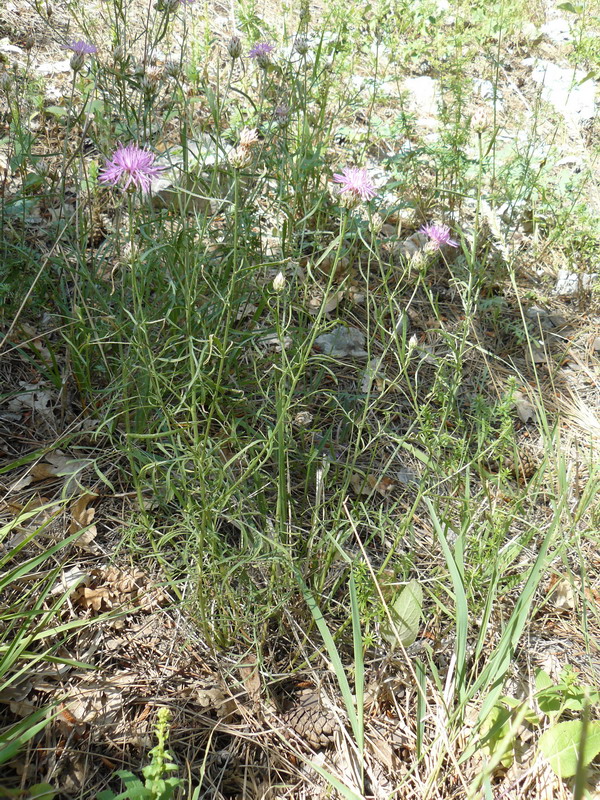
{"points": [[562, 594], [371, 484], [68, 468], [384, 486], [250, 675], [33, 398], [341, 342], [525, 410], [316, 302]]}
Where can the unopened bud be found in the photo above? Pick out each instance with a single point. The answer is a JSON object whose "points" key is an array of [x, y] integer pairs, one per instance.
{"points": [[118, 53], [279, 282], [172, 69], [234, 47]]}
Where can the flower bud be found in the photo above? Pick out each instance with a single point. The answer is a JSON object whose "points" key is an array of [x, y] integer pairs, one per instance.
{"points": [[376, 224], [234, 47], [279, 282], [282, 112], [5, 81]]}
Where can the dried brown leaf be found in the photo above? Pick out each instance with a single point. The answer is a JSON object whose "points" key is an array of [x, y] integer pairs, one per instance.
{"points": [[250, 675]]}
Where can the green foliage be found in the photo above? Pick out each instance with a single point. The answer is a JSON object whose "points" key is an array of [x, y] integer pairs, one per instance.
{"points": [[158, 784], [569, 744]]}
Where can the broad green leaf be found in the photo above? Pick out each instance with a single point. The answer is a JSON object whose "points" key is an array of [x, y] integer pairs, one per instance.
{"points": [[570, 7], [542, 680], [405, 614], [561, 745]]}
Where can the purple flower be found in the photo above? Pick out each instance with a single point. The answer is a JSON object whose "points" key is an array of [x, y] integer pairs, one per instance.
{"points": [[81, 48], [439, 235], [355, 182], [132, 165], [261, 51]]}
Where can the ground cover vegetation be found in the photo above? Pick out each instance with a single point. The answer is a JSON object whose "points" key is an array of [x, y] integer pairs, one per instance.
{"points": [[300, 412]]}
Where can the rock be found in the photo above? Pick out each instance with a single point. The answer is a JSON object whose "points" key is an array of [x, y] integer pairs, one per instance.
{"points": [[424, 98], [7, 47], [596, 344], [54, 67], [557, 30], [487, 91], [563, 88], [568, 284]]}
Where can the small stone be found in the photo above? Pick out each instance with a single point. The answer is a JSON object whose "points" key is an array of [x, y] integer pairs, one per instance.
{"points": [[568, 284], [557, 30], [596, 344], [567, 89]]}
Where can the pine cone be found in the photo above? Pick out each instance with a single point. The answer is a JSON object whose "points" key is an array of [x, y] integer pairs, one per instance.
{"points": [[311, 720]]}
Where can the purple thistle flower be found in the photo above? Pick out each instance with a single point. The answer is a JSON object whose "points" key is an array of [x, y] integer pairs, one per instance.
{"points": [[133, 165], [261, 50], [439, 236], [81, 48], [356, 182]]}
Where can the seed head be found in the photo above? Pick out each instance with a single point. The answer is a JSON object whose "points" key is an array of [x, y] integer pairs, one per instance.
{"points": [[240, 157], [302, 46]]}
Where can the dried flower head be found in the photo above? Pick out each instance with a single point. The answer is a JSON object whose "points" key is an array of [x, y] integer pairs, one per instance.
{"points": [[248, 137], [234, 47], [355, 186], [262, 52], [151, 79], [479, 121], [301, 45], [240, 157], [282, 112], [131, 165], [439, 236]]}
